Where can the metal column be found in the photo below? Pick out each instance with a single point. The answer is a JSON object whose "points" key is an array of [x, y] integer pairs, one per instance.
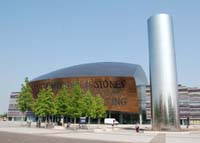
{"points": [[163, 80]]}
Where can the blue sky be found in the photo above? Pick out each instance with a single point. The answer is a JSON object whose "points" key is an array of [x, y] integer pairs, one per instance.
{"points": [[39, 36]]}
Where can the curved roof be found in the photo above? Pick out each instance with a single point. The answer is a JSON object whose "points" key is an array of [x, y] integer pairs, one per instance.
{"points": [[99, 69]]}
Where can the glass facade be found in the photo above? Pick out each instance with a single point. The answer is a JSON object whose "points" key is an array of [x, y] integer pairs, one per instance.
{"points": [[14, 113]]}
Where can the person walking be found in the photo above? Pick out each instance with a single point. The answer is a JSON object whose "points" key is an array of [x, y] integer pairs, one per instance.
{"points": [[188, 122], [137, 127]]}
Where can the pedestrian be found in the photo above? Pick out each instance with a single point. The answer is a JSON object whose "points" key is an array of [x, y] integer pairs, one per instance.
{"points": [[137, 127], [188, 122], [68, 124], [113, 123]]}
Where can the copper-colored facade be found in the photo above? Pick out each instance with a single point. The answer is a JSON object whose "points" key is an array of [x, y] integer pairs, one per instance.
{"points": [[119, 93]]}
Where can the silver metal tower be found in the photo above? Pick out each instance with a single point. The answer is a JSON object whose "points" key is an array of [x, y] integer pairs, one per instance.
{"points": [[163, 80]]}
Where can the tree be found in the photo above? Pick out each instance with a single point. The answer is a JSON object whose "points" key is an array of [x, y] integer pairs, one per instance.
{"points": [[3, 115], [100, 108], [76, 103], [62, 102], [89, 105], [44, 105], [25, 98]]}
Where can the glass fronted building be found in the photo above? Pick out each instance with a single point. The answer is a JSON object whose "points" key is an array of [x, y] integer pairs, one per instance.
{"points": [[189, 104], [14, 113]]}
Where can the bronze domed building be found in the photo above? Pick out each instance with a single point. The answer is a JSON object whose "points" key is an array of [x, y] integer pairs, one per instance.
{"points": [[121, 85]]}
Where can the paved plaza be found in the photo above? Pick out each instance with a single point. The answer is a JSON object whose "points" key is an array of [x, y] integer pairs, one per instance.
{"points": [[16, 132], [24, 138]]}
